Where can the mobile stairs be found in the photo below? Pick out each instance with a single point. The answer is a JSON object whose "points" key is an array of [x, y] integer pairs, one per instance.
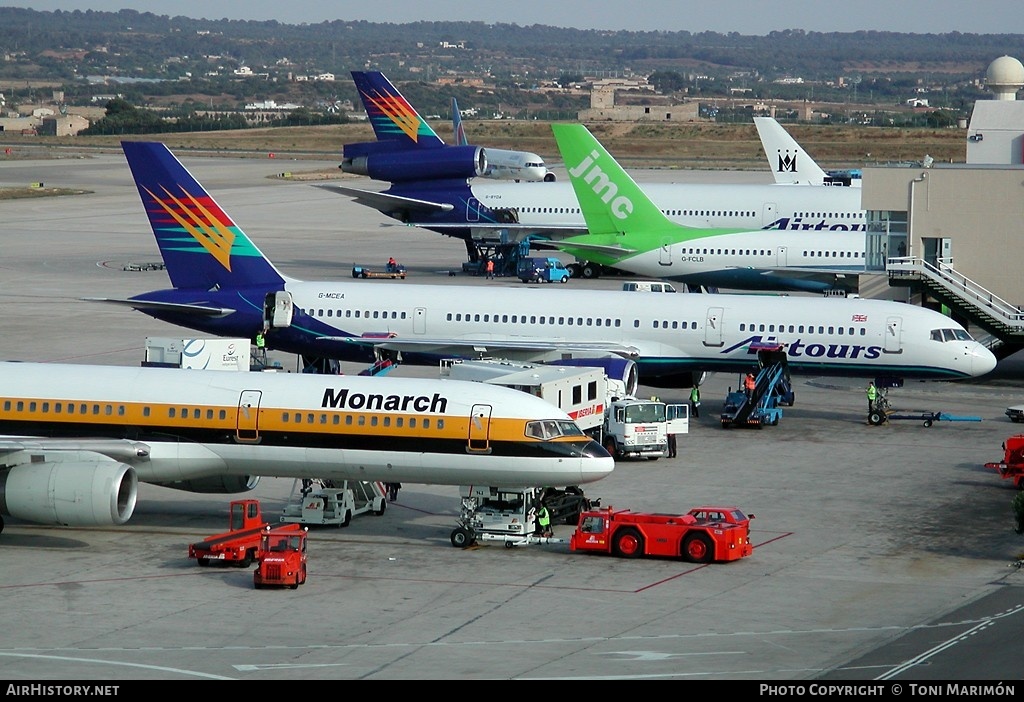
{"points": [[772, 388]]}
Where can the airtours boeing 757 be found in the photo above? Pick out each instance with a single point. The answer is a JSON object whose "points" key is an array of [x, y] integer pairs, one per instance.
{"points": [[223, 285], [76, 440]]}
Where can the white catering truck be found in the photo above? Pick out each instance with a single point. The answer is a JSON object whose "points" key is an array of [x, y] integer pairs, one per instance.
{"points": [[201, 354]]}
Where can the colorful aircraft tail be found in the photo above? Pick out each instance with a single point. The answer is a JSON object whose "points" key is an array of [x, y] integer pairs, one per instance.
{"points": [[611, 201], [391, 115], [458, 128], [201, 245]]}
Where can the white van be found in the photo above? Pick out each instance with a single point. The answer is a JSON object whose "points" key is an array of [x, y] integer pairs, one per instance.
{"points": [[648, 286]]}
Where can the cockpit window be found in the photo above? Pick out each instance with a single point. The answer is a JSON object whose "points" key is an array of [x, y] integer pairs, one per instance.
{"points": [[951, 335], [552, 429]]}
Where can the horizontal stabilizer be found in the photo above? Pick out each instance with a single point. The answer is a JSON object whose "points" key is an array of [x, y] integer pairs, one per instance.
{"points": [[201, 310], [386, 202], [611, 250]]}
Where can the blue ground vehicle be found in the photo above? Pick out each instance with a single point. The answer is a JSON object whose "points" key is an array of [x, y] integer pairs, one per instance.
{"points": [[542, 270]]}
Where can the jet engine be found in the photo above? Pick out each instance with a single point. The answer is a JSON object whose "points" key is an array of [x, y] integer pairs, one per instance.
{"points": [[214, 484], [380, 161], [70, 489]]}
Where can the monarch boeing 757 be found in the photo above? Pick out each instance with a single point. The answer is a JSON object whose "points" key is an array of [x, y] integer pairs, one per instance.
{"points": [[75, 440]]}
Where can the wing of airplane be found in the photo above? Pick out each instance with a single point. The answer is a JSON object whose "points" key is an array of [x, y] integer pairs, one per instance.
{"points": [[201, 310], [518, 349], [386, 202]]}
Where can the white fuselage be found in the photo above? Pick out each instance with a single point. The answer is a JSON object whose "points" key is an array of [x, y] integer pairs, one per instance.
{"points": [[198, 423], [685, 332], [524, 166], [812, 210]]}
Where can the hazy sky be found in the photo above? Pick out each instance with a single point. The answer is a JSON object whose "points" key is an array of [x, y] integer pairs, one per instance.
{"points": [[743, 16]]}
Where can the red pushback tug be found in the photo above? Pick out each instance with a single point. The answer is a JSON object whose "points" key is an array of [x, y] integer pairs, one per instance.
{"points": [[1012, 465], [702, 535]]}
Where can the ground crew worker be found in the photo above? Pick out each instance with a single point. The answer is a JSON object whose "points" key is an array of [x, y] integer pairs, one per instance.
{"points": [[543, 521], [695, 402], [749, 383], [261, 347], [490, 268], [872, 396]]}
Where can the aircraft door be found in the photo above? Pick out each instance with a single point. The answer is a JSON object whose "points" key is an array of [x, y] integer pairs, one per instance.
{"points": [[769, 213], [713, 327], [247, 427], [665, 253], [479, 429], [277, 309], [419, 320], [473, 209], [782, 257], [893, 335]]}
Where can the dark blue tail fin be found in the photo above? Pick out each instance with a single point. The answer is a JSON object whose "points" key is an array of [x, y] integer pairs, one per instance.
{"points": [[391, 115], [460, 131], [201, 245]]}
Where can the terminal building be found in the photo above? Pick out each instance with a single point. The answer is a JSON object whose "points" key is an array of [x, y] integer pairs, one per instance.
{"points": [[952, 235]]}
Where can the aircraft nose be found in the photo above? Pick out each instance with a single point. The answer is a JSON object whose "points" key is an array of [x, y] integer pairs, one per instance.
{"points": [[983, 361], [596, 463]]}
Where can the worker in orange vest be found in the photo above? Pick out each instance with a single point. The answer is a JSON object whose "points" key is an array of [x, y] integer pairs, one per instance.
{"points": [[749, 383], [490, 268]]}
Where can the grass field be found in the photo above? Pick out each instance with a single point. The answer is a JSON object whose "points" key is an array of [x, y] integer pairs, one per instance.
{"points": [[686, 145]]}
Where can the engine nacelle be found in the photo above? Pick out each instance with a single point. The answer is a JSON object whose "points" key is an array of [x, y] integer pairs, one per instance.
{"points": [[419, 164], [70, 489], [622, 373], [215, 484]]}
